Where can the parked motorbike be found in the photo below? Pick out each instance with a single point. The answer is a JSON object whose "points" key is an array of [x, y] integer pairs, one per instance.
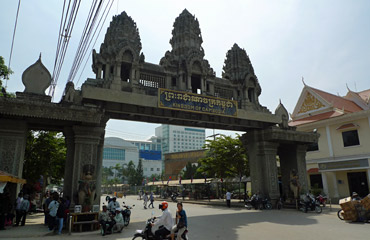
{"points": [[257, 202], [312, 205], [174, 196], [321, 199], [148, 234], [126, 213]]}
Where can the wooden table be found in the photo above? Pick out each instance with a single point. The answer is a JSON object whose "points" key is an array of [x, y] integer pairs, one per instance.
{"points": [[85, 218]]}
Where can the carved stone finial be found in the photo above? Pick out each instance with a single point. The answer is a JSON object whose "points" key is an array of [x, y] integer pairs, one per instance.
{"points": [[237, 65], [36, 78], [282, 113], [122, 34], [186, 35]]}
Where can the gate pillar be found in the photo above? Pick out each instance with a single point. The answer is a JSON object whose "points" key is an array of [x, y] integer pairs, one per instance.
{"points": [[84, 163], [262, 163], [13, 135]]}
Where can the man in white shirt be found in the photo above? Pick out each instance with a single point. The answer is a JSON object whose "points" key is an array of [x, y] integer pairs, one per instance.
{"points": [[228, 198], [118, 218], [113, 205], [165, 220]]}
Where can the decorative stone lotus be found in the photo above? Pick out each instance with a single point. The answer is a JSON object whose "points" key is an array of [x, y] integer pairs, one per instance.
{"points": [[36, 78]]}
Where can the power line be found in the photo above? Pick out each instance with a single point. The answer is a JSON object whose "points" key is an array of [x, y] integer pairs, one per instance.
{"points": [[62, 45], [11, 48], [87, 38], [97, 36]]}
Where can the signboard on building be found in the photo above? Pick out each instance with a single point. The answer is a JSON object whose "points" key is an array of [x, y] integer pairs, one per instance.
{"points": [[352, 164], [191, 102]]}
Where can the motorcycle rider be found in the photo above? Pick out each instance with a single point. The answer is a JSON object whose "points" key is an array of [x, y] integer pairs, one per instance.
{"points": [[308, 199], [165, 220], [113, 205], [181, 222], [255, 200]]}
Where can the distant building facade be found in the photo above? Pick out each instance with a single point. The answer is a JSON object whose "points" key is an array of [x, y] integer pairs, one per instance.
{"points": [[120, 151], [180, 138], [340, 162], [150, 154]]}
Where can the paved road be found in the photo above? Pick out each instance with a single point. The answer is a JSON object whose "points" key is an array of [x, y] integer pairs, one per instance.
{"points": [[209, 222]]}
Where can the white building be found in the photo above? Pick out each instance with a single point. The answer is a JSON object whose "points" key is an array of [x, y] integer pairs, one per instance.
{"points": [[180, 138], [118, 151]]}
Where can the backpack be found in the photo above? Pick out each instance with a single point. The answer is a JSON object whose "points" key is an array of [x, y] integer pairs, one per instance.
{"points": [[61, 210]]}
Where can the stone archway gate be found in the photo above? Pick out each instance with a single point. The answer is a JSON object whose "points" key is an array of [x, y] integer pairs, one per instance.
{"points": [[181, 90]]}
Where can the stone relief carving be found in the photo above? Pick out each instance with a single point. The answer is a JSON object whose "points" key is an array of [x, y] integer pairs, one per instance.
{"points": [[69, 92], [310, 103]]}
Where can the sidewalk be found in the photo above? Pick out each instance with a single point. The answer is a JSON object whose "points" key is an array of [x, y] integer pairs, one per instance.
{"points": [[35, 228]]}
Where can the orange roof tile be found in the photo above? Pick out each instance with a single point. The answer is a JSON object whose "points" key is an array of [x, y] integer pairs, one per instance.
{"points": [[338, 102], [315, 118]]}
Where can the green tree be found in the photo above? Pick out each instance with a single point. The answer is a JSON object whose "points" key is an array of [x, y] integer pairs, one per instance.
{"points": [[191, 171], [4, 72], [44, 156], [106, 173], [139, 173], [225, 157]]}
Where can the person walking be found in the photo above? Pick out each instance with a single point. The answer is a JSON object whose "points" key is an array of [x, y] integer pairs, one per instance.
{"points": [[228, 198], [53, 208], [60, 215], [25, 206], [151, 198], [145, 198], [18, 212]]}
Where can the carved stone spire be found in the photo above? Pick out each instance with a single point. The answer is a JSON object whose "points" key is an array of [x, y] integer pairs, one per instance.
{"points": [[237, 65], [122, 33], [186, 35]]}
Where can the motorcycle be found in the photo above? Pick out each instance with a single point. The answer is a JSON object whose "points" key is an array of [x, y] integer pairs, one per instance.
{"points": [[148, 234], [321, 199], [257, 202], [174, 196], [313, 205], [126, 213]]}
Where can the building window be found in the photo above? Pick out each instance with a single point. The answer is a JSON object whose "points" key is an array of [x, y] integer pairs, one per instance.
{"points": [[151, 169], [316, 181], [350, 138], [313, 147], [113, 154], [158, 169]]}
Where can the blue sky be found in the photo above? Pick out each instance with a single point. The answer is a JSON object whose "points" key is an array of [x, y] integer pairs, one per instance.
{"points": [[326, 42]]}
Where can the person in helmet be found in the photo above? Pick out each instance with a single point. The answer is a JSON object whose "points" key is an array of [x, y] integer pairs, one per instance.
{"points": [[165, 220]]}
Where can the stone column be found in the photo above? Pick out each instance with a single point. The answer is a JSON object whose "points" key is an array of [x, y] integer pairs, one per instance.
{"points": [[13, 136], [301, 167], [69, 181], [262, 163], [116, 83], [325, 184], [87, 164], [255, 166], [267, 154], [98, 74]]}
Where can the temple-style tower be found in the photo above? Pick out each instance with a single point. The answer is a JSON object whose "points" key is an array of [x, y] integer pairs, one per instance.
{"points": [[186, 59], [239, 70], [118, 60]]}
